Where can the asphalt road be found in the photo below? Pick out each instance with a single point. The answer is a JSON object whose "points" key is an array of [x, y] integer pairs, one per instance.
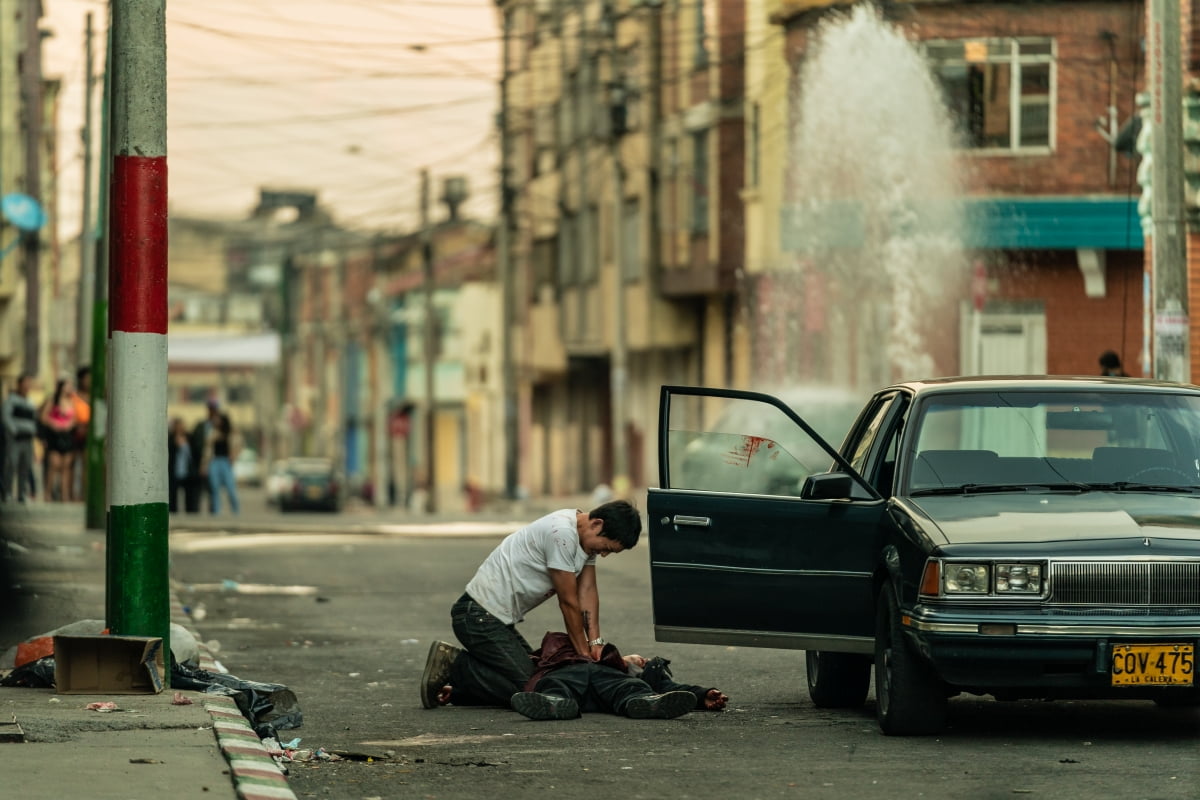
{"points": [[345, 620]]}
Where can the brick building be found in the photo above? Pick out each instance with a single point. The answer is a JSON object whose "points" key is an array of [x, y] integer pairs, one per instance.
{"points": [[1051, 230]]}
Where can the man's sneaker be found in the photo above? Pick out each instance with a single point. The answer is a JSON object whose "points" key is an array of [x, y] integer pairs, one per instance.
{"points": [[437, 671], [544, 706], [660, 706]]}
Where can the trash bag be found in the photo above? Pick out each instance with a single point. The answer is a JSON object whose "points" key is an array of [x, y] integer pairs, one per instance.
{"points": [[269, 706], [33, 675]]}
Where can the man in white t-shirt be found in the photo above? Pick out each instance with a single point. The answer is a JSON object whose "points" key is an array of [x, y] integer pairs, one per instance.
{"points": [[552, 556]]}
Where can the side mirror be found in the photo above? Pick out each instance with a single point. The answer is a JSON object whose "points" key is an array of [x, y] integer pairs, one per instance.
{"points": [[828, 486], [833, 486]]}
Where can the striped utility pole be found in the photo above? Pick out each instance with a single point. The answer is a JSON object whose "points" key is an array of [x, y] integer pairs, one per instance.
{"points": [[138, 602]]}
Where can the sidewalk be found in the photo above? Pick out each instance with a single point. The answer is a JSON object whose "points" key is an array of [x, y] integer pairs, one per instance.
{"points": [[151, 748]]}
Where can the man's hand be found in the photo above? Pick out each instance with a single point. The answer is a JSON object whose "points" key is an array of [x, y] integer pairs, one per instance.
{"points": [[596, 651], [715, 700]]}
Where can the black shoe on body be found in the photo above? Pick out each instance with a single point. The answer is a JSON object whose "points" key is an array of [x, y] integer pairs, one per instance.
{"points": [[660, 706], [544, 706]]}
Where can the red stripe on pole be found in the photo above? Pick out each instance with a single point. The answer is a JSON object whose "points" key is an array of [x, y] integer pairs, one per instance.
{"points": [[137, 277]]}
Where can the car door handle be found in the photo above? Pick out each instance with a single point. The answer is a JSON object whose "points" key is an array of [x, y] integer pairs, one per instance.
{"points": [[698, 522]]}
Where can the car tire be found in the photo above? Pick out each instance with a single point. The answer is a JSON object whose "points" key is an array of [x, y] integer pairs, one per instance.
{"points": [[837, 680], [909, 698]]}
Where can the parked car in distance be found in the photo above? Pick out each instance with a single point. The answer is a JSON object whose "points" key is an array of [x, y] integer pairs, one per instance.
{"points": [[1023, 537], [246, 468], [304, 484], [278, 482]]}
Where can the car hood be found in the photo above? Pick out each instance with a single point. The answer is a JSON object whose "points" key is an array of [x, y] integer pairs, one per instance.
{"points": [[1048, 517]]}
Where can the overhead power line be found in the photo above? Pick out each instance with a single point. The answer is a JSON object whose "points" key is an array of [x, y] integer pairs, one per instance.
{"points": [[362, 114]]}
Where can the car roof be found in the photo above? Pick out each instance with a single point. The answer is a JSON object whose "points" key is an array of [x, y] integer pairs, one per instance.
{"points": [[309, 461], [983, 383]]}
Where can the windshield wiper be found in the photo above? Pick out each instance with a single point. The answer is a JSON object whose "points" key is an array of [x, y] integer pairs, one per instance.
{"points": [[1133, 486], [982, 488]]}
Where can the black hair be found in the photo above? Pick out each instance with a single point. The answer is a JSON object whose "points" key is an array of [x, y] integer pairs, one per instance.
{"points": [[58, 390], [622, 522], [1110, 360], [83, 372]]}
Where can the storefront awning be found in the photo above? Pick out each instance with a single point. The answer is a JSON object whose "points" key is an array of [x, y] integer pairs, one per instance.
{"points": [[1053, 223]]}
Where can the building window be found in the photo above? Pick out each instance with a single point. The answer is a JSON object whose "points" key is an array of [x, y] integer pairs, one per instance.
{"points": [[568, 249], [700, 42], [700, 182], [1000, 91], [241, 393], [752, 154], [198, 394], [631, 241], [589, 245], [545, 263]]}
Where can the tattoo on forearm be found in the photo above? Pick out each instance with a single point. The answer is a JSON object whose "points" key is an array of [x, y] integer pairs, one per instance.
{"points": [[587, 625]]}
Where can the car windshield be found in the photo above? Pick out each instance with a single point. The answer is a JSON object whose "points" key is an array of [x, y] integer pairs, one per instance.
{"points": [[1068, 439]]}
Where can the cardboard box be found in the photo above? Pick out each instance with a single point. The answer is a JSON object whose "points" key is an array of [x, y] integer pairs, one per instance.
{"points": [[108, 664]]}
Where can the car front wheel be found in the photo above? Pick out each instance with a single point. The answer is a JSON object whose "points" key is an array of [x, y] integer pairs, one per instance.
{"points": [[909, 699], [837, 680]]}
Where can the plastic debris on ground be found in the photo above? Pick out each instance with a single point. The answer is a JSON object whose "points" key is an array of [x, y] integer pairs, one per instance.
{"points": [[103, 707], [268, 706]]}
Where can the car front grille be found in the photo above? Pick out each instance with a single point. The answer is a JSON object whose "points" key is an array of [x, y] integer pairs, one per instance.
{"points": [[1125, 583]]}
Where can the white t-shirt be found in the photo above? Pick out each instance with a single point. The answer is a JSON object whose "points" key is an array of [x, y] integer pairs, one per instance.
{"points": [[515, 578]]}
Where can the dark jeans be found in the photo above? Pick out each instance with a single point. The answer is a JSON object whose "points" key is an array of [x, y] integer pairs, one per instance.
{"points": [[190, 487], [595, 687], [497, 660]]}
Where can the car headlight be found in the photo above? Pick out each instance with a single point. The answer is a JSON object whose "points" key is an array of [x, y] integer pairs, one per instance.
{"points": [[1018, 578], [958, 578]]}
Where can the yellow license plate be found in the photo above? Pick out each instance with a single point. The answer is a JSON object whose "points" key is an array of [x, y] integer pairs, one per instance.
{"points": [[1153, 665], [314, 492]]}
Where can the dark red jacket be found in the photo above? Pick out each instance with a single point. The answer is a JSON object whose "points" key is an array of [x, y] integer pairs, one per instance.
{"points": [[557, 651]]}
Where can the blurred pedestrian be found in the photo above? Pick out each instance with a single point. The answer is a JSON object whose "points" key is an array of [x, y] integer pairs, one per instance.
{"points": [[201, 442], [181, 475], [58, 418], [1110, 365], [20, 426], [83, 416], [220, 465]]}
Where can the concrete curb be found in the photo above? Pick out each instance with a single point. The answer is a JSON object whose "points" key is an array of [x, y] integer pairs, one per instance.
{"points": [[255, 774]]}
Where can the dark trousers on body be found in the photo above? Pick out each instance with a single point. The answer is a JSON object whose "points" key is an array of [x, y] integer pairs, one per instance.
{"points": [[594, 687], [497, 660]]}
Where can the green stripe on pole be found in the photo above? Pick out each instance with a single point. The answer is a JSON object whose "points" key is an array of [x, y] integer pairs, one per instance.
{"points": [[137, 536]]}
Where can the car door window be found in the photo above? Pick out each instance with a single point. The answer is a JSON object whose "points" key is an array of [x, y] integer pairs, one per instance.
{"points": [[739, 445], [868, 434]]}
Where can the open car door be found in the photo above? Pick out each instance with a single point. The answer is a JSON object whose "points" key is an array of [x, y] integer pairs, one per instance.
{"points": [[741, 552]]}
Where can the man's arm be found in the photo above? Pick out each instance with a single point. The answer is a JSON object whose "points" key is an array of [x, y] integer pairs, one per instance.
{"points": [[589, 602], [567, 589]]}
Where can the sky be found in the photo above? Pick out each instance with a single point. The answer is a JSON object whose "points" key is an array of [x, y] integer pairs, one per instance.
{"points": [[347, 98]]}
